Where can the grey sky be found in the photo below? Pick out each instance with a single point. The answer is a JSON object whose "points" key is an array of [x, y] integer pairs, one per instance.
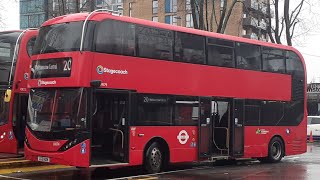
{"points": [[308, 45]]}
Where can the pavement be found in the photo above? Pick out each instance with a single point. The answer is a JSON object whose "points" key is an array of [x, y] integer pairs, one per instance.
{"points": [[4, 156], [13, 160]]}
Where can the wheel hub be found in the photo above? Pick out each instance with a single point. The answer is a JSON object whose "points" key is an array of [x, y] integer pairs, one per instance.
{"points": [[276, 150], [156, 158]]}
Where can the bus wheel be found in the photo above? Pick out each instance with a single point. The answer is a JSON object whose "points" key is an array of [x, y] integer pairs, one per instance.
{"points": [[153, 161], [275, 150]]}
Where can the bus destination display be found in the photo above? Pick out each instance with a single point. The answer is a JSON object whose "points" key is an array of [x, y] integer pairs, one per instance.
{"points": [[51, 68]]}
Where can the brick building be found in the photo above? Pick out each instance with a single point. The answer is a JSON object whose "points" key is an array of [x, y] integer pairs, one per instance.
{"points": [[34, 12], [247, 19]]}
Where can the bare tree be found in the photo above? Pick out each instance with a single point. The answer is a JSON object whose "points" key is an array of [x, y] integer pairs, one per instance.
{"points": [[286, 21], [217, 16], [283, 18]]}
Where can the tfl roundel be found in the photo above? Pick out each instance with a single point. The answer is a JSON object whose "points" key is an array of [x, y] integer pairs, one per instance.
{"points": [[183, 137]]}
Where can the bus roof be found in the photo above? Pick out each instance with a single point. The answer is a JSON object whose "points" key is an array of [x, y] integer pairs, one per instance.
{"points": [[99, 16], [9, 36]]}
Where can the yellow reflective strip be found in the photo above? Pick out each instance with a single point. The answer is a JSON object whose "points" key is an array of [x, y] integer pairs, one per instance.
{"points": [[18, 161], [147, 178], [30, 169]]}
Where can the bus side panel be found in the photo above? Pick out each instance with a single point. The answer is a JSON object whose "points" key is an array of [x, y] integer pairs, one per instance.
{"points": [[165, 77], [257, 139], [23, 64], [8, 142], [181, 140]]}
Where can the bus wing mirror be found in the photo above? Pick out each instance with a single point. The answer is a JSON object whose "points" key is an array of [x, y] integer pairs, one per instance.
{"points": [[7, 95]]}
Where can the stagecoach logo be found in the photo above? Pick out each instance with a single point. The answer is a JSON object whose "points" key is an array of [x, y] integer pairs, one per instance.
{"points": [[183, 137], [41, 82], [262, 131], [25, 75], [100, 70]]}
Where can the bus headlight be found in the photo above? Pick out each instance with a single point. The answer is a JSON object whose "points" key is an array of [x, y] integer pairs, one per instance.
{"points": [[26, 141], [68, 145]]}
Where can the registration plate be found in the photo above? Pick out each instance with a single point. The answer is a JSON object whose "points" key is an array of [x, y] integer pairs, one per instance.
{"points": [[43, 159]]}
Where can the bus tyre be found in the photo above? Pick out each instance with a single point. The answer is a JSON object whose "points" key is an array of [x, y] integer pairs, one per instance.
{"points": [[275, 150], [154, 158]]}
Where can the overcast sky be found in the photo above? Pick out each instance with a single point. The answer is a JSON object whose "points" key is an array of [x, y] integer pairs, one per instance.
{"points": [[308, 45]]}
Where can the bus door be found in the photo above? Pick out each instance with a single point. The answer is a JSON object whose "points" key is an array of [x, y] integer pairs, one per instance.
{"points": [[109, 127], [237, 126], [8, 143], [19, 119], [205, 128], [221, 115]]}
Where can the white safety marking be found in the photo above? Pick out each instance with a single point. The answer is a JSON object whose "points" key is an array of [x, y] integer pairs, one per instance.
{"points": [[168, 172], [9, 177], [292, 158]]}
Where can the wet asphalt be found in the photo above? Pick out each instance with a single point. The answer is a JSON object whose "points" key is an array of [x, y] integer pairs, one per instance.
{"points": [[300, 167]]}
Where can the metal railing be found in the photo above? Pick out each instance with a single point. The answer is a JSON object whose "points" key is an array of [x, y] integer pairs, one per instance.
{"points": [[122, 135]]}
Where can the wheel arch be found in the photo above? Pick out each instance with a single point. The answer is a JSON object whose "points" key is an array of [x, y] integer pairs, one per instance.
{"points": [[163, 144], [282, 140]]}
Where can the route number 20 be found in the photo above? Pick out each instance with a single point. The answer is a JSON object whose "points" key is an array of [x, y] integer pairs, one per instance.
{"points": [[67, 65]]}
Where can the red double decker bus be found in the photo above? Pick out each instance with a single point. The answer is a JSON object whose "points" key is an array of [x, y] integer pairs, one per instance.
{"points": [[109, 91], [15, 57]]}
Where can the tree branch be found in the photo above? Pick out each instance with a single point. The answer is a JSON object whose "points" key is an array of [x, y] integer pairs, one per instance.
{"points": [[226, 19], [299, 7], [287, 22]]}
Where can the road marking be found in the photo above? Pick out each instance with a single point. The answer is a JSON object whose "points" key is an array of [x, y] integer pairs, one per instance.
{"points": [[8, 177], [168, 172], [292, 158], [30, 169]]}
